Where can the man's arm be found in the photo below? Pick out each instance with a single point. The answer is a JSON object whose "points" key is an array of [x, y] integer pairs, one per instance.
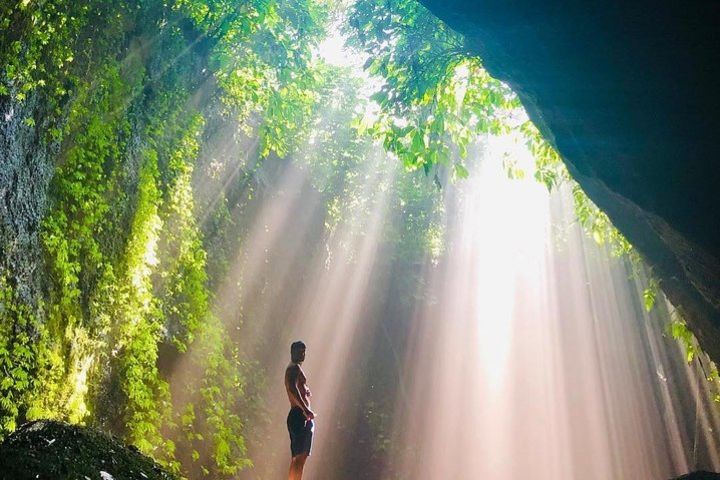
{"points": [[291, 383]]}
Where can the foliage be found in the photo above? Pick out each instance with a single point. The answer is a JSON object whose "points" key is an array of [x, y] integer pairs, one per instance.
{"points": [[128, 337], [650, 294], [262, 59], [70, 236], [343, 161], [678, 329], [19, 342], [36, 47], [211, 420], [549, 169], [140, 322], [127, 291], [184, 299], [436, 97], [714, 378], [597, 223]]}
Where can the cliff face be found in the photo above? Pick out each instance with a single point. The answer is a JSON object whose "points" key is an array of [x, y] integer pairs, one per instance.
{"points": [[627, 92], [105, 265], [24, 179]]}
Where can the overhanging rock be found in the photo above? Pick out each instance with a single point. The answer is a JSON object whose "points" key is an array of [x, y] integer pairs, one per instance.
{"points": [[628, 93]]}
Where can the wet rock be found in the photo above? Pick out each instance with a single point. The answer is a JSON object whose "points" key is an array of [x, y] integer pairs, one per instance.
{"points": [[49, 450], [26, 168], [700, 476]]}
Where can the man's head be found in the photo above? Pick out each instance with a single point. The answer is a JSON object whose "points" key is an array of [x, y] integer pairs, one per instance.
{"points": [[297, 352]]}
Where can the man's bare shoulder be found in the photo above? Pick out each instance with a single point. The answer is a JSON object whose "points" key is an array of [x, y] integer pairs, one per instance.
{"points": [[293, 370]]}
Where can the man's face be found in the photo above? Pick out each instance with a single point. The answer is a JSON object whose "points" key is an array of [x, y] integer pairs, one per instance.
{"points": [[298, 355]]}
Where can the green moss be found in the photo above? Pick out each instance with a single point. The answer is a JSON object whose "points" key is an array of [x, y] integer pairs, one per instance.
{"points": [[19, 345], [37, 46], [77, 262], [184, 298], [131, 87]]}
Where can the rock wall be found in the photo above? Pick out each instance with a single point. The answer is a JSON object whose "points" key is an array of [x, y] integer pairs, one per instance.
{"points": [[108, 245], [627, 93], [25, 176]]}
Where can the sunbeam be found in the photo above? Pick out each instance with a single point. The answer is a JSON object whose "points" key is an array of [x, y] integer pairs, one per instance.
{"points": [[533, 360], [188, 188]]}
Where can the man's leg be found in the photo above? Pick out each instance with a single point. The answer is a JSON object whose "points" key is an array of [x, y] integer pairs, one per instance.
{"points": [[296, 467], [292, 475], [300, 459]]}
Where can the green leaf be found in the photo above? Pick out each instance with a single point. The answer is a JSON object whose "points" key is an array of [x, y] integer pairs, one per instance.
{"points": [[460, 171], [649, 296]]}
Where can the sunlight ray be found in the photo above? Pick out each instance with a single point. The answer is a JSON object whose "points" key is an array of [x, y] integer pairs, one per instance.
{"points": [[522, 366]]}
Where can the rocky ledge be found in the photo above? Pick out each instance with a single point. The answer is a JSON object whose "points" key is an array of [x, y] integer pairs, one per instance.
{"points": [[49, 450], [700, 476]]}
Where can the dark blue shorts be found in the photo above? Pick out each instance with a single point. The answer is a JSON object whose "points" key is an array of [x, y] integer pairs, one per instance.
{"points": [[301, 432]]}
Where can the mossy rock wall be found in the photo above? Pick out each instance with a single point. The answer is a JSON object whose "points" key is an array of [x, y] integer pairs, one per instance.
{"points": [[128, 132]]}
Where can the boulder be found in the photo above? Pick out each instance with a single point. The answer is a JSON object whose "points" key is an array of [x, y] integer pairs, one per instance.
{"points": [[701, 475], [50, 450]]}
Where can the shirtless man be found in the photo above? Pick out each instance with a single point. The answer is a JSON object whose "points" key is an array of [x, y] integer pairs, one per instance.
{"points": [[300, 419]]}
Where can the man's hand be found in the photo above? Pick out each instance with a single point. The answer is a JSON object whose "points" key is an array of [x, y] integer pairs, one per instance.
{"points": [[309, 414]]}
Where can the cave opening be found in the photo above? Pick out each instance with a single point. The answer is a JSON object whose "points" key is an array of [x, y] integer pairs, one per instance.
{"points": [[188, 187]]}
